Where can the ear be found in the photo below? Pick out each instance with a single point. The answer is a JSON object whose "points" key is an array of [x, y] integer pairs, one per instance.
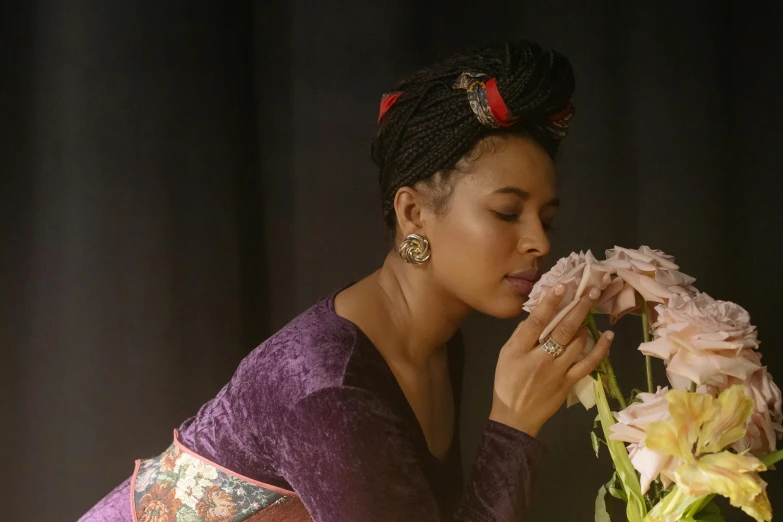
{"points": [[410, 209]]}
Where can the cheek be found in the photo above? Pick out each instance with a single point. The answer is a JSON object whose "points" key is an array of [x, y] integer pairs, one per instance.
{"points": [[476, 245]]}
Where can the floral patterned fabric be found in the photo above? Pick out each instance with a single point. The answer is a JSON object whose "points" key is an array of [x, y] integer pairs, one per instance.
{"points": [[177, 486]]}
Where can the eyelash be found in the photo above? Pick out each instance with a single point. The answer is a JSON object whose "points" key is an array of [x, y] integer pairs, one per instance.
{"points": [[513, 217]]}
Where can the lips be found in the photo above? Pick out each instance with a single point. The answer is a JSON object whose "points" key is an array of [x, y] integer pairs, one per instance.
{"points": [[523, 286], [528, 275], [523, 282]]}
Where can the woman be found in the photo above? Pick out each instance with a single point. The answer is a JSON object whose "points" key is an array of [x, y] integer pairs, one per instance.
{"points": [[347, 414]]}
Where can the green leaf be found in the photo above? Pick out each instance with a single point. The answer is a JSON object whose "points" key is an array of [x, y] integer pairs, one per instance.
{"points": [[712, 508], [636, 509], [601, 514], [613, 487], [707, 511], [594, 442], [618, 493]]}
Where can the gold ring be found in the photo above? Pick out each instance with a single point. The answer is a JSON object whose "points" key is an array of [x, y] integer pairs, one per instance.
{"points": [[552, 347]]}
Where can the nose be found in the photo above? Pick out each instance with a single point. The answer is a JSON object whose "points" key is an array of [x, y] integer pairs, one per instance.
{"points": [[534, 240]]}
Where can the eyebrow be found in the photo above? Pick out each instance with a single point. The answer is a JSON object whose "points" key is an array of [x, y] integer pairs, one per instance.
{"points": [[524, 195]]}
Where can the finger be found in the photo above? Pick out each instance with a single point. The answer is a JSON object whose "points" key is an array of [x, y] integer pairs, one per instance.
{"points": [[591, 360], [574, 349], [570, 324], [530, 329]]}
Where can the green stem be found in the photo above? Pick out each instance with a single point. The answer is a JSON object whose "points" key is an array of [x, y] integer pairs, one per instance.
{"points": [[613, 383], [771, 458], [647, 358], [606, 365]]}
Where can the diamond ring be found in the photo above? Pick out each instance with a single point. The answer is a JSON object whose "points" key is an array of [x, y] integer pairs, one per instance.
{"points": [[552, 347]]}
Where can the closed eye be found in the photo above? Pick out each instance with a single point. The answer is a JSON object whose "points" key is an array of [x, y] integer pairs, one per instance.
{"points": [[548, 227], [506, 217]]}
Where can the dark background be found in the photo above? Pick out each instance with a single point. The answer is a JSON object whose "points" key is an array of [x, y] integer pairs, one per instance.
{"points": [[180, 179]]}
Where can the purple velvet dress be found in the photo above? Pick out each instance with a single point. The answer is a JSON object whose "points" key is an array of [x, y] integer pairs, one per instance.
{"points": [[316, 411]]}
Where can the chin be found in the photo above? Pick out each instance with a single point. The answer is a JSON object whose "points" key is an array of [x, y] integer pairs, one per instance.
{"points": [[509, 314], [505, 308]]}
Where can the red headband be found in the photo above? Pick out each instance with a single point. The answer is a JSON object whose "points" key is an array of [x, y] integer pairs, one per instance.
{"points": [[488, 105], [497, 105], [387, 100]]}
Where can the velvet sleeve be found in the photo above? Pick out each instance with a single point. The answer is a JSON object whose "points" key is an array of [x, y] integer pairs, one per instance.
{"points": [[351, 458]]}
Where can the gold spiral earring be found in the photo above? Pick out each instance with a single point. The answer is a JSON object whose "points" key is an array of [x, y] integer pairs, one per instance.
{"points": [[415, 249]]}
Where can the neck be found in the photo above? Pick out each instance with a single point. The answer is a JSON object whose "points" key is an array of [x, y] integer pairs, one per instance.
{"points": [[423, 314]]}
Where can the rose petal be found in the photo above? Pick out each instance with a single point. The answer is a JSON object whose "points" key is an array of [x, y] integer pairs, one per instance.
{"points": [[611, 291], [734, 366], [696, 368], [673, 278], [625, 303], [661, 348], [626, 433], [664, 260], [650, 290], [583, 392], [643, 266], [649, 463], [678, 382]]}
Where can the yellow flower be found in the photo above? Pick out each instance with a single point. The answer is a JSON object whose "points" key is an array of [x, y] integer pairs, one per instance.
{"points": [[700, 428]]}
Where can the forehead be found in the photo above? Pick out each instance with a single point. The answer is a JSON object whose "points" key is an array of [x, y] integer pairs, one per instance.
{"points": [[511, 162]]}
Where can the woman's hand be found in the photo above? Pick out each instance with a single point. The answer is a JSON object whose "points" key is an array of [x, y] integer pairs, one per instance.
{"points": [[530, 384]]}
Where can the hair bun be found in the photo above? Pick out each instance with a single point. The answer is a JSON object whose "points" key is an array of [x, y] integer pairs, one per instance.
{"points": [[533, 82], [429, 124]]}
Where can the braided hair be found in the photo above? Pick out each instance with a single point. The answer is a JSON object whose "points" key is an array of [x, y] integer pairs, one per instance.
{"points": [[432, 125]]}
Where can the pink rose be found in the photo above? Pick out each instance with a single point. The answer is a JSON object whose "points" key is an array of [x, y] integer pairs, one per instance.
{"points": [[631, 427], [765, 425], [577, 272], [617, 300], [650, 272], [700, 339]]}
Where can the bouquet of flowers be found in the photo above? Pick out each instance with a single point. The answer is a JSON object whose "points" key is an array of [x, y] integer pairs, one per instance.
{"points": [[712, 429]]}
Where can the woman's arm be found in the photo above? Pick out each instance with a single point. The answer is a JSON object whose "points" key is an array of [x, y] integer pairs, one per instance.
{"points": [[351, 458]]}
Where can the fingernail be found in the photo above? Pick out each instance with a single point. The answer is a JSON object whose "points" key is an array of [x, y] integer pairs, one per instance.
{"points": [[594, 294], [560, 289], [610, 335]]}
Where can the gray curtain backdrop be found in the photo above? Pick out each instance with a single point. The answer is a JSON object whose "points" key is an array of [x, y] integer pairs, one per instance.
{"points": [[180, 179]]}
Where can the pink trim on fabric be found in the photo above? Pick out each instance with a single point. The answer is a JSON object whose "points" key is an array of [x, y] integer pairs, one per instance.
{"points": [[132, 489], [228, 471]]}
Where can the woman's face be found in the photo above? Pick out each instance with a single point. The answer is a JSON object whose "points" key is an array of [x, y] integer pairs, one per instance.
{"points": [[495, 226]]}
